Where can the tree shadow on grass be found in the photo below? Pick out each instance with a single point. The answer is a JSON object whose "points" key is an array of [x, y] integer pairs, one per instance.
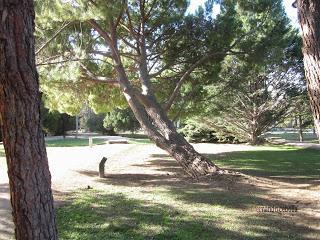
{"points": [[114, 216], [4, 188], [293, 165], [6, 224], [234, 196], [2, 153], [227, 192], [237, 197]]}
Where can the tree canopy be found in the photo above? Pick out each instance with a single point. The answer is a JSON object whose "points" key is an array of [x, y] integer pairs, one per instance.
{"points": [[161, 63]]}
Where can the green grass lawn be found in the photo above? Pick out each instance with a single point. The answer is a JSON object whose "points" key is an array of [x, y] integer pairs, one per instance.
{"points": [[136, 138], [273, 161], [139, 141], [153, 207], [2, 157], [292, 136], [81, 142], [2, 153], [72, 142], [185, 214]]}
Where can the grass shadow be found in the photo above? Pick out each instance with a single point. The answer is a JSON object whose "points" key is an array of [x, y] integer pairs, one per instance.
{"points": [[2, 152], [96, 215], [168, 205], [6, 224]]}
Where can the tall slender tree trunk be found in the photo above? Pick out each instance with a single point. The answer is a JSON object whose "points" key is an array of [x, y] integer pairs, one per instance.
{"points": [[77, 126], [315, 132], [29, 176], [300, 128], [64, 119], [309, 17]]}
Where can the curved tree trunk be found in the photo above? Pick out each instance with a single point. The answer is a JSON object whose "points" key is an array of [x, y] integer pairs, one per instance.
{"points": [[164, 134], [162, 131], [150, 114], [29, 176], [309, 17]]}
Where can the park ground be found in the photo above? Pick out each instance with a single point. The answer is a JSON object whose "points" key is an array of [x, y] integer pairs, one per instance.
{"points": [[145, 195]]}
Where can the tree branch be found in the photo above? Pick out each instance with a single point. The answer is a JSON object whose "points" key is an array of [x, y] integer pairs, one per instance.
{"points": [[69, 60], [184, 77], [99, 29], [53, 37], [98, 79], [201, 61], [102, 53]]}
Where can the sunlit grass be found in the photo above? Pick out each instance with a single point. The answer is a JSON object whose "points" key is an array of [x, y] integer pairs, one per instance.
{"points": [[137, 138], [139, 141], [188, 210], [73, 142], [161, 215], [293, 136], [273, 161]]}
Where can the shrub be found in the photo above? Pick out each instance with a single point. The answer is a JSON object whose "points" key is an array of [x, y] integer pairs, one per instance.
{"points": [[121, 120], [95, 124], [196, 132], [55, 123]]}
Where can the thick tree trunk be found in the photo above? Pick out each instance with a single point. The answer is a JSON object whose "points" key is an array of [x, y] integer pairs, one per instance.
{"points": [[254, 140], [192, 162], [309, 17], [162, 131], [29, 176], [167, 138]]}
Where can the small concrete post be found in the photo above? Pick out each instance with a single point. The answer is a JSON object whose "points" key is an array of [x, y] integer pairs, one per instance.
{"points": [[101, 167], [90, 142]]}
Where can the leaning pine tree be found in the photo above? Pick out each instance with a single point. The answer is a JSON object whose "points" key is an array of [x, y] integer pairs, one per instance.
{"points": [[28, 171], [135, 45]]}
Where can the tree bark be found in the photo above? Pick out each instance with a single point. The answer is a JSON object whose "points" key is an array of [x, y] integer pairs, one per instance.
{"points": [[28, 171], [254, 139], [300, 128], [309, 17], [164, 134]]}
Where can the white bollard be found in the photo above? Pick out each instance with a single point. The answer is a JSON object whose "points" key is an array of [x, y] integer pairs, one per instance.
{"points": [[90, 142]]}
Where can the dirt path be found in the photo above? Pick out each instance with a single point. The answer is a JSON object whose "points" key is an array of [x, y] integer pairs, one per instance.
{"points": [[147, 166], [66, 165]]}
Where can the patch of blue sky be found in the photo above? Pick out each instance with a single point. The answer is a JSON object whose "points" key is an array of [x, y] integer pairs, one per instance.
{"points": [[291, 12]]}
